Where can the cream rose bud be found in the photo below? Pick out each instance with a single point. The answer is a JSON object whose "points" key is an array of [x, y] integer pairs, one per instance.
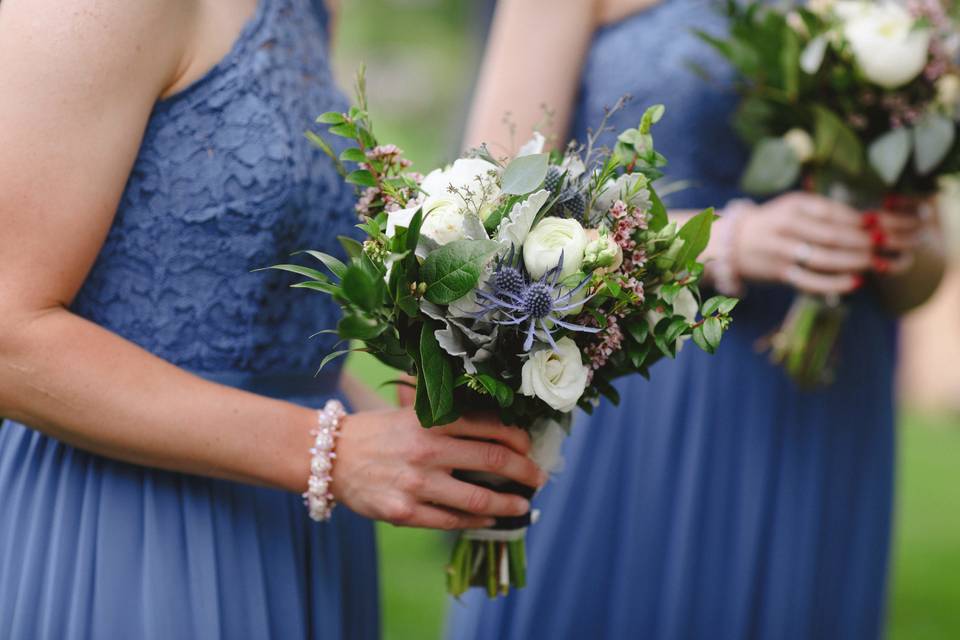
{"points": [[556, 377], [548, 240], [801, 143], [886, 43], [443, 219], [601, 252], [948, 90]]}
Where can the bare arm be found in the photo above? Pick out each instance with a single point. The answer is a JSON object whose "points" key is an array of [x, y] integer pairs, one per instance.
{"points": [[80, 78], [534, 58]]}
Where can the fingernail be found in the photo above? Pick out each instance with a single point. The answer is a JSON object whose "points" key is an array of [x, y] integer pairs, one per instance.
{"points": [[523, 506], [878, 237], [489, 522], [880, 265], [870, 219], [857, 281]]}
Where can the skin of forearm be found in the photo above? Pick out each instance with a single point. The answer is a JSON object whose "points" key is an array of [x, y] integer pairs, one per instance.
{"points": [[77, 382]]}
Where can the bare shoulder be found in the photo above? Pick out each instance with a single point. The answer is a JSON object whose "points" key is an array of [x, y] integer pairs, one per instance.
{"points": [[95, 42]]}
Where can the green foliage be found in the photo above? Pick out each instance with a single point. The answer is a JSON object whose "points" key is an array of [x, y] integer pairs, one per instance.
{"points": [[452, 271]]}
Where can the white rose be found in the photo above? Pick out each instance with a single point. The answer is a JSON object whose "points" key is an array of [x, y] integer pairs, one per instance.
{"points": [[474, 174], [556, 377], [550, 238], [442, 219], [888, 48], [801, 143]]}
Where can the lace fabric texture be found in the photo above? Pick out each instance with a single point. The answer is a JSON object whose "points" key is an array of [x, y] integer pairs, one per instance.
{"points": [[225, 183]]}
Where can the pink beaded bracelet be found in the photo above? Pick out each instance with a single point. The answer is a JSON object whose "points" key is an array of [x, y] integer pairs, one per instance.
{"points": [[724, 268], [318, 498]]}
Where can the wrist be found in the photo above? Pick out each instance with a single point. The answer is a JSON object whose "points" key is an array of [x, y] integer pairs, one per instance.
{"points": [[721, 258]]}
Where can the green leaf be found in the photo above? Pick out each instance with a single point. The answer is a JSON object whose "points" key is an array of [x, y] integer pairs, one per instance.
{"points": [[353, 154], [650, 117], [675, 329], [331, 117], [889, 153], [413, 231], [325, 287], [835, 142], [436, 375], [773, 167], [934, 135], [658, 212], [353, 248], [355, 327], [344, 130], [695, 234], [331, 357], [360, 288], [361, 177], [639, 331], [452, 271], [700, 340], [524, 174], [712, 331], [500, 391], [307, 272], [790, 61], [712, 305], [727, 305], [336, 267], [320, 143]]}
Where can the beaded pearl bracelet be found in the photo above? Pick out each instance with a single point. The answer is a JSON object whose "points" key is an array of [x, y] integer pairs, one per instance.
{"points": [[726, 276], [318, 497]]}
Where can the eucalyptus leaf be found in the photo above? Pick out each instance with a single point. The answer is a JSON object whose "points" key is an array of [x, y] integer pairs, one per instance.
{"points": [[773, 167], [453, 270], [889, 153], [934, 135], [524, 174]]}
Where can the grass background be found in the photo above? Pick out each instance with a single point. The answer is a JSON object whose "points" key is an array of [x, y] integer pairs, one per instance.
{"points": [[421, 57]]}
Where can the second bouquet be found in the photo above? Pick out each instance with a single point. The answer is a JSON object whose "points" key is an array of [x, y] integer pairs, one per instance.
{"points": [[522, 286]]}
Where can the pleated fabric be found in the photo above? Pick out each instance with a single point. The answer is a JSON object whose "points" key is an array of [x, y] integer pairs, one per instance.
{"points": [[717, 501], [93, 548]]}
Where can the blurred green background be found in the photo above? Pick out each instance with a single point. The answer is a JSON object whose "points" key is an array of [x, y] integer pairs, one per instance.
{"points": [[422, 57]]}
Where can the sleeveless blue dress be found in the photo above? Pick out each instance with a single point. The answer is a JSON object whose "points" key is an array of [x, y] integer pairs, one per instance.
{"points": [[224, 182], [717, 501]]}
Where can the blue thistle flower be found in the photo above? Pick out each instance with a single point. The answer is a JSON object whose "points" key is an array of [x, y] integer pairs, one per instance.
{"points": [[514, 300]]}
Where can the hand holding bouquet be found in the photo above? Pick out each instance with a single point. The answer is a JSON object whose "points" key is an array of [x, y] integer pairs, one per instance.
{"points": [[522, 287], [859, 101]]}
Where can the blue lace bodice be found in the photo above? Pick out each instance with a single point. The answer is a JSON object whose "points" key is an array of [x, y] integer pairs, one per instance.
{"points": [[652, 55], [225, 182]]}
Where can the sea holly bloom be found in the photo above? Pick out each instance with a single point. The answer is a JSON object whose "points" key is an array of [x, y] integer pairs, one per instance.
{"points": [[540, 305]]}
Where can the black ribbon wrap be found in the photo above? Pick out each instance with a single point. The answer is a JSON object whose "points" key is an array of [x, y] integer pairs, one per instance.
{"points": [[502, 485]]}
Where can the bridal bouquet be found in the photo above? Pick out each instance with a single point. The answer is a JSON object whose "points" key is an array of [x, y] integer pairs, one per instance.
{"points": [[858, 100], [522, 286]]}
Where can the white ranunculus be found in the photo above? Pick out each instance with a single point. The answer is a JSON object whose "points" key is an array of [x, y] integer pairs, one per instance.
{"points": [[550, 238], [462, 174], [442, 219], [889, 48], [556, 377], [801, 143], [400, 218]]}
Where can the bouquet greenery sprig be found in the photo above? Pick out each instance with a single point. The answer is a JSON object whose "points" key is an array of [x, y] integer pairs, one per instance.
{"points": [[521, 286], [858, 100]]}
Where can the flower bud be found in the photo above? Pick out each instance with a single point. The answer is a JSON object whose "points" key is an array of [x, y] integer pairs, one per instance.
{"points": [[801, 143]]}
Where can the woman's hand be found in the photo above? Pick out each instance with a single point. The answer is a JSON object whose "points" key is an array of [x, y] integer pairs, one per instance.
{"points": [[390, 468], [807, 241]]}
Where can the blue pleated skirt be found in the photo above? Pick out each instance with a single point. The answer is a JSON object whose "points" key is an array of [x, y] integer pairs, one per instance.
{"points": [[717, 502], [92, 548]]}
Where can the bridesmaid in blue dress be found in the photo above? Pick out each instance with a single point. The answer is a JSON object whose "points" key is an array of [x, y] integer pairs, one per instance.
{"points": [[717, 501], [152, 156]]}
